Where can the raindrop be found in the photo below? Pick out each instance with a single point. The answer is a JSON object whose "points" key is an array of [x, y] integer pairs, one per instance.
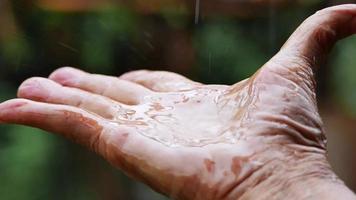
{"points": [[196, 141], [272, 26], [68, 47], [209, 63], [197, 11]]}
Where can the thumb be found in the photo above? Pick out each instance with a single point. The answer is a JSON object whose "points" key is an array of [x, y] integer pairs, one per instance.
{"points": [[318, 34], [313, 40], [308, 47], [286, 83]]}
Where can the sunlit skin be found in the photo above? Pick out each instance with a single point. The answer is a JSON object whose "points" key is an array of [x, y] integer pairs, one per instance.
{"points": [[261, 138]]}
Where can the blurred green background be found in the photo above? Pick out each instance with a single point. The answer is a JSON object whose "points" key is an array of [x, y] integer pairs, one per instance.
{"points": [[209, 41]]}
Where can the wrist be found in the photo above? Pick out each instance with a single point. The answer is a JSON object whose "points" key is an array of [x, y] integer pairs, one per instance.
{"points": [[300, 175]]}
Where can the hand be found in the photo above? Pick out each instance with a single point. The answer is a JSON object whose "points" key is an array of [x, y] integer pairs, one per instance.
{"points": [[261, 138]]}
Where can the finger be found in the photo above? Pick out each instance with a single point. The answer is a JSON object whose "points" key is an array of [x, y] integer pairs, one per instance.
{"points": [[160, 81], [116, 142], [73, 123], [45, 90], [119, 90]]}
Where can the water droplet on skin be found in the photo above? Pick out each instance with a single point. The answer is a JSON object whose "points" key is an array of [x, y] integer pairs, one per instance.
{"points": [[216, 99], [232, 140], [164, 118], [130, 112], [173, 145], [334, 178], [257, 163]]}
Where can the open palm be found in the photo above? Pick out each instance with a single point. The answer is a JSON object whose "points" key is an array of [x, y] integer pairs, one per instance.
{"points": [[189, 140]]}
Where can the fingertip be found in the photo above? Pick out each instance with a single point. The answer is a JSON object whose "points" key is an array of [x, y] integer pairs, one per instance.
{"points": [[12, 104], [9, 107], [65, 75], [33, 88]]}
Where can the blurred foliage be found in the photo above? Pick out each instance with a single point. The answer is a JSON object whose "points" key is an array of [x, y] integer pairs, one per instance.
{"points": [[28, 165], [100, 31], [112, 40], [16, 50], [344, 74], [176, 17], [226, 55]]}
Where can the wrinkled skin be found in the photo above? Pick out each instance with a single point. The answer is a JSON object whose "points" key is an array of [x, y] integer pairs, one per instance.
{"points": [[251, 140]]}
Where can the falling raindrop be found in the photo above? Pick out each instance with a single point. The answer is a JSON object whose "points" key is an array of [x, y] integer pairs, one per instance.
{"points": [[272, 26], [68, 47], [197, 11], [209, 63]]}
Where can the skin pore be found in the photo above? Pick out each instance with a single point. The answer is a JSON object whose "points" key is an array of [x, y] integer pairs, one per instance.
{"points": [[261, 138]]}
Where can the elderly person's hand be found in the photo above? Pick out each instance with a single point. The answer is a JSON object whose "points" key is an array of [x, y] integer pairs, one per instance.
{"points": [[261, 138]]}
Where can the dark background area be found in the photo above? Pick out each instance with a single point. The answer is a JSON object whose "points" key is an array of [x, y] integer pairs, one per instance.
{"points": [[212, 41]]}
